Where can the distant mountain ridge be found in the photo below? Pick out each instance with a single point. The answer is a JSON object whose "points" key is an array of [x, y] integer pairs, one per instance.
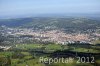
{"points": [[14, 22], [52, 23]]}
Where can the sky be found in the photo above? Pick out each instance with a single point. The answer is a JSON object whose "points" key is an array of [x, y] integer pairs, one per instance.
{"points": [[24, 8]]}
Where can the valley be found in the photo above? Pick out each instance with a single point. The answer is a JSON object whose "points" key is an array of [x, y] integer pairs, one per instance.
{"points": [[24, 40]]}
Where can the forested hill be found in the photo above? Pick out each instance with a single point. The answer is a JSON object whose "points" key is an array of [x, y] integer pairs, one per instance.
{"points": [[52, 23], [15, 22]]}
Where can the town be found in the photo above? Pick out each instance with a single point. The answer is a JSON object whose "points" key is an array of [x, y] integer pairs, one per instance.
{"points": [[56, 36]]}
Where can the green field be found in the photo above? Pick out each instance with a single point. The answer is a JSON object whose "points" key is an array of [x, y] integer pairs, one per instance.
{"points": [[24, 55]]}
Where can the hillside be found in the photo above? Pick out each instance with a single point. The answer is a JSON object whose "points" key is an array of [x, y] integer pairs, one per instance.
{"points": [[52, 23], [15, 22]]}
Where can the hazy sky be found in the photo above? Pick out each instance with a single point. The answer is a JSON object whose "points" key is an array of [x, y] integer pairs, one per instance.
{"points": [[17, 8]]}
